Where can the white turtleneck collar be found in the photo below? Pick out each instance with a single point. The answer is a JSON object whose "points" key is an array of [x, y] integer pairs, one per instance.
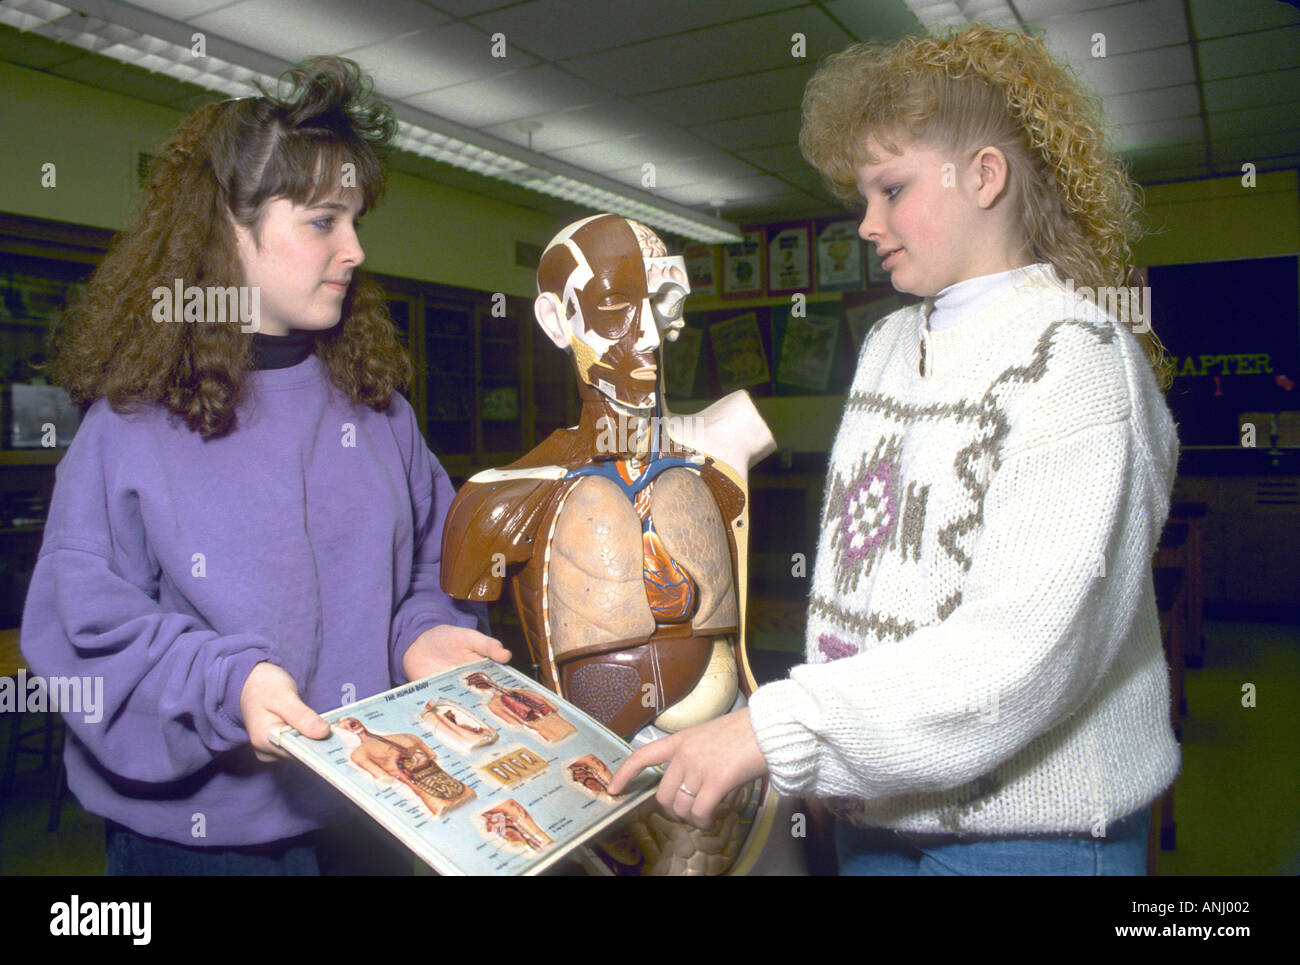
{"points": [[966, 298]]}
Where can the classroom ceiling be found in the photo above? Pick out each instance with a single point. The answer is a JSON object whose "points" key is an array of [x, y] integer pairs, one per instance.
{"points": [[708, 91]]}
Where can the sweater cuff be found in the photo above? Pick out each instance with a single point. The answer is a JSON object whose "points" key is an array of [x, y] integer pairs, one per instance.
{"points": [[785, 719], [238, 667]]}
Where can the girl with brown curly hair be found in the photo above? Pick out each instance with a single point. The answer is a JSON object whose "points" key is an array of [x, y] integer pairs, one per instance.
{"points": [[248, 523], [985, 690]]}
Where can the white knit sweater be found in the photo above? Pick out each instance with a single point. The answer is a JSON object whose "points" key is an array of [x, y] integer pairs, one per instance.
{"points": [[983, 650]]}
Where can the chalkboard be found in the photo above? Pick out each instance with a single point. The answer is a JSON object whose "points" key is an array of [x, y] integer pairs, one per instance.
{"points": [[1233, 331]]}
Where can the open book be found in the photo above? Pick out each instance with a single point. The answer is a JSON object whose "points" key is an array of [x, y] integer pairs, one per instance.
{"points": [[478, 770]]}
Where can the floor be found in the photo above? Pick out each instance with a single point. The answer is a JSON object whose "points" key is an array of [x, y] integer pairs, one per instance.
{"points": [[1235, 800]]}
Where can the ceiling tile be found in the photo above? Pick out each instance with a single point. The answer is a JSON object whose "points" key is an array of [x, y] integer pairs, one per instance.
{"points": [[559, 29], [1186, 153], [1126, 27], [1160, 132], [1249, 53], [1152, 105], [432, 59], [613, 154], [675, 174], [730, 190], [708, 91], [761, 130], [1148, 70], [1252, 90], [470, 8], [328, 26], [1259, 120], [1256, 148], [585, 125], [508, 97], [713, 53], [1036, 11], [1214, 18], [778, 89], [180, 10], [808, 179], [778, 159], [884, 22]]}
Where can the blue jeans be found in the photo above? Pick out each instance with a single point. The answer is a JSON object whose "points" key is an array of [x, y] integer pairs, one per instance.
{"points": [[880, 851], [357, 848]]}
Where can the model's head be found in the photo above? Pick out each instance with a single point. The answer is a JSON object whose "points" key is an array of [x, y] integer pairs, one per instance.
{"points": [[608, 291], [261, 191], [352, 725]]}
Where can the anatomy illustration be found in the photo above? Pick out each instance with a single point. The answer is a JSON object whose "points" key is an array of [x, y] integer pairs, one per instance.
{"points": [[406, 758]]}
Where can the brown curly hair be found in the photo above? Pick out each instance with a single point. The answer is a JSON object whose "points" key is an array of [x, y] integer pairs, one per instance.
{"points": [[222, 166], [984, 86]]}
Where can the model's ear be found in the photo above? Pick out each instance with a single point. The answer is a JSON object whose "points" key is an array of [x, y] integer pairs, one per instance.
{"points": [[550, 315]]}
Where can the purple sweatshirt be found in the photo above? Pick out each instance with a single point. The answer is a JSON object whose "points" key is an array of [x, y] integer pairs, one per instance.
{"points": [[310, 537]]}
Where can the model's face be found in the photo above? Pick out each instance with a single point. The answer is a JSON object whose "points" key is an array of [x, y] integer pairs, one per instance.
{"points": [[921, 217], [615, 320], [302, 259]]}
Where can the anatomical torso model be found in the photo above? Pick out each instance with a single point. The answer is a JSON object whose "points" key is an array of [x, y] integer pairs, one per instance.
{"points": [[623, 539]]}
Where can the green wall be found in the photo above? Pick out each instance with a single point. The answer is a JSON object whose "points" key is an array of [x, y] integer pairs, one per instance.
{"points": [[421, 230], [1220, 219]]}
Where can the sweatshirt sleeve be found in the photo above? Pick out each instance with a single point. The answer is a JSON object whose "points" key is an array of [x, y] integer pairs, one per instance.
{"points": [[1051, 594], [170, 684], [426, 605]]}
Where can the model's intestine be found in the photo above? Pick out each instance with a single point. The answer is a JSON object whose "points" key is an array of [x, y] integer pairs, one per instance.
{"points": [[513, 827], [456, 726], [590, 775], [521, 708]]}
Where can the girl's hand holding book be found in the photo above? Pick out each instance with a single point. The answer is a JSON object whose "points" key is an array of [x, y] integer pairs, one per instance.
{"points": [[444, 647], [270, 700]]}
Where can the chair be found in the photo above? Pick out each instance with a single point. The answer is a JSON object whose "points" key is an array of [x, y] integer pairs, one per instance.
{"points": [[1192, 513], [50, 731], [1171, 586]]}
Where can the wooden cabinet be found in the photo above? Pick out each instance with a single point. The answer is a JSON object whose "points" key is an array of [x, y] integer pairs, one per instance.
{"points": [[1250, 534]]}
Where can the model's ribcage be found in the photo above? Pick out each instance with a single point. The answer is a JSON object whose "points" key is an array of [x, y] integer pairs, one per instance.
{"points": [[602, 574], [597, 572]]}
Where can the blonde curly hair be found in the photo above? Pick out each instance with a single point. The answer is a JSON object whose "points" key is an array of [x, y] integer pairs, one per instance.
{"points": [[982, 86]]}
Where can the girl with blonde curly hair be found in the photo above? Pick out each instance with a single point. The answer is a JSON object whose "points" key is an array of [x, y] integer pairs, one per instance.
{"points": [[248, 523], [985, 690]]}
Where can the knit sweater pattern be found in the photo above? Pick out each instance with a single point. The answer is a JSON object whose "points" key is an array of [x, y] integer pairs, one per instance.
{"points": [[983, 651]]}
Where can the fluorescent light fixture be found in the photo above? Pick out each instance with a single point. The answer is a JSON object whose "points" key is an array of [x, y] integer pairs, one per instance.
{"points": [[135, 36], [939, 14]]}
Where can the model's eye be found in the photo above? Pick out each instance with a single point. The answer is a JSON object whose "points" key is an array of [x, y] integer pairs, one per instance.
{"points": [[324, 224], [892, 192]]}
